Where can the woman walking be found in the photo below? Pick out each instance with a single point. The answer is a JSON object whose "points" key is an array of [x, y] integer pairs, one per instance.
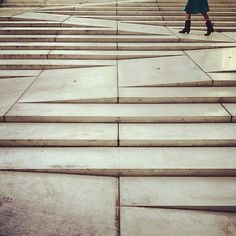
{"points": [[194, 7]]}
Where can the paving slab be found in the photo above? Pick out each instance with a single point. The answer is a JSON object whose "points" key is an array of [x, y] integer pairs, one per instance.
{"points": [[150, 221], [41, 16], [177, 95], [173, 46], [124, 18], [123, 113], [10, 91], [122, 161], [158, 72], [231, 35], [215, 60], [139, 13], [198, 36], [126, 28], [177, 134], [117, 38], [108, 55], [60, 134], [9, 12], [231, 108], [84, 13], [82, 21], [205, 193], [198, 24], [95, 84], [223, 79], [44, 204]]}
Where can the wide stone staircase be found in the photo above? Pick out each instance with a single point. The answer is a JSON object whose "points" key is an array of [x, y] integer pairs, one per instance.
{"points": [[113, 123]]}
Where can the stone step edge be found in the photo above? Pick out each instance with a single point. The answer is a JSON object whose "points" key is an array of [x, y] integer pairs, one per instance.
{"points": [[76, 161]]}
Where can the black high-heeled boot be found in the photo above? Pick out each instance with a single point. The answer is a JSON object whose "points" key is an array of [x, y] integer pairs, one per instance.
{"points": [[210, 28], [186, 28]]}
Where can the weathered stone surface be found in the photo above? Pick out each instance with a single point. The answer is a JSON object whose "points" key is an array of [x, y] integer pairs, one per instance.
{"points": [[213, 60], [177, 134], [231, 108], [97, 84], [28, 134], [142, 113], [128, 54], [177, 94], [123, 161], [153, 221], [209, 193], [157, 72], [223, 79], [11, 90], [46, 204]]}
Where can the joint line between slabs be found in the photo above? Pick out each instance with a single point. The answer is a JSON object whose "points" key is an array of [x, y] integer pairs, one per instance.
{"points": [[231, 116], [22, 95], [174, 34], [199, 68], [118, 209], [118, 134], [117, 80]]}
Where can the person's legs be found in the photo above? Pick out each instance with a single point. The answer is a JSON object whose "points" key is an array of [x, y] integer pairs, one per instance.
{"points": [[187, 26], [209, 25], [206, 17], [187, 16]]}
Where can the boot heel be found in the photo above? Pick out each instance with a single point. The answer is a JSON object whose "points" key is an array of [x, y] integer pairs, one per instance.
{"points": [[210, 28], [186, 28]]}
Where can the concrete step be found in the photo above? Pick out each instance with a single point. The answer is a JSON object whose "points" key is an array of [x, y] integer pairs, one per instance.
{"points": [[117, 113], [28, 134], [27, 38], [232, 109], [29, 24], [130, 7], [172, 46], [112, 46], [114, 13], [194, 37], [202, 193], [55, 30], [218, 24], [44, 64], [177, 95], [83, 54], [90, 38], [122, 161], [34, 200], [138, 219], [177, 135], [57, 45], [143, 135]]}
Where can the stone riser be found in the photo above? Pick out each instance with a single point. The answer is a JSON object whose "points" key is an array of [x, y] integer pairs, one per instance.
{"points": [[223, 24], [81, 94], [118, 113], [111, 46], [113, 135], [122, 161], [31, 22]]}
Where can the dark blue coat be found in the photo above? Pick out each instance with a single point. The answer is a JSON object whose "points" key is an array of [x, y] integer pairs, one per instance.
{"points": [[197, 6]]}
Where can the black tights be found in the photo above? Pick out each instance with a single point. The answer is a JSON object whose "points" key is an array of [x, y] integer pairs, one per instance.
{"points": [[205, 15]]}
